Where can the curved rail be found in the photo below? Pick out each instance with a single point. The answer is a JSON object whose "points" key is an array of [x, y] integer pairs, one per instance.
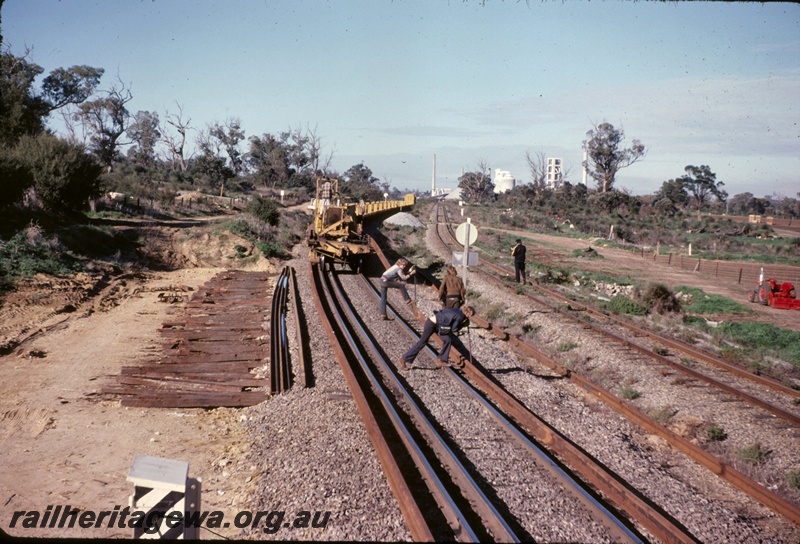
{"points": [[280, 369], [379, 412], [445, 455], [599, 477]]}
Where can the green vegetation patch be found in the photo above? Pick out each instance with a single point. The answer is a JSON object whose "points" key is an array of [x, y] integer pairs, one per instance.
{"points": [[783, 343], [623, 305], [28, 253], [696, 301]]}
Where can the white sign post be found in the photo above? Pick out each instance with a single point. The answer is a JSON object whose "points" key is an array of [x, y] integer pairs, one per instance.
{"points": [[466, 234]]}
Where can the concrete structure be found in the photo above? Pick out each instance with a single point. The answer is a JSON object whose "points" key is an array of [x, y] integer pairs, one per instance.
{"points": [[503, 181], [555, 175]]}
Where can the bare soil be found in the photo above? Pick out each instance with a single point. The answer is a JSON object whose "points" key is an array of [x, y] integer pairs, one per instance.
{"points": [[62, 443]]}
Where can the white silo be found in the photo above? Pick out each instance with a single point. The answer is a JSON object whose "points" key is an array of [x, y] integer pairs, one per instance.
{"points": [[503, 181]]}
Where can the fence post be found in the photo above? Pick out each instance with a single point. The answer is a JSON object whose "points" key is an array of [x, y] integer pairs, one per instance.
{"points": [[669, 261], [740, 277]]}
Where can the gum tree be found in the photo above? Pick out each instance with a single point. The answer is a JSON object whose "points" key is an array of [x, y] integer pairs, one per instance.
{"points": [[606, 156], [701, 184]]}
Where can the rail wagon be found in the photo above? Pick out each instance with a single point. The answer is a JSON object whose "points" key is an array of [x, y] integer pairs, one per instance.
{"points": [[336, 233]]}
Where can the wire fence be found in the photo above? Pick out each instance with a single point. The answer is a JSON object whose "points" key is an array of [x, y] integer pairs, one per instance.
{"points": [[739, 273]]}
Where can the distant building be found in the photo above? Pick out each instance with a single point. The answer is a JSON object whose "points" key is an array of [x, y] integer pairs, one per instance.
{"points": [[555, 175], [503, 181]]}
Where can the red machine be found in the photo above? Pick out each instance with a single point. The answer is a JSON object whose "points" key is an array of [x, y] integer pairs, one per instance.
{"points": [[777, 295]]}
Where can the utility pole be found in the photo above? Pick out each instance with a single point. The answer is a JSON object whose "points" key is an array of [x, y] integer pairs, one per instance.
{"points": [[433, 183], [585, 164]]}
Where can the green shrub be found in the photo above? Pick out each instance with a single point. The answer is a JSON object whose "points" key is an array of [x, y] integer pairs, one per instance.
{"points": [[16, 177], [793, 478], [495, 311], [29, 252], [716, 433], [64, 176], [661, 415], [623, 305], [566, 346], [271, 249], [754, 454], [588, 253], [629, 393], [264, 209]]}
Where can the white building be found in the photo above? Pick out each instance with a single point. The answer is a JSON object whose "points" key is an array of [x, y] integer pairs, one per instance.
{"points": [[503, 181], [555, 175]]}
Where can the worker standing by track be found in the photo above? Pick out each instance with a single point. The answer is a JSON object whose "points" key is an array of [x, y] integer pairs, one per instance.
{"points": [[518, 252], [402, 270], [451, 291]]}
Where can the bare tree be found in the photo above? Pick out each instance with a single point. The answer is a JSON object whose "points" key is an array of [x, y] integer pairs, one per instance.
{"points": [[537, 166], [176, 143], [314, 144]]}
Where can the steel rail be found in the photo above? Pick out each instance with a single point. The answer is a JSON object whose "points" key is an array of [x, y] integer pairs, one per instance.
{"points": [[279, 344], [399, 483], [616, 490], [616, 527], [742, 395], [763, 379], [304, 368], [694, 452], [493, 520]]}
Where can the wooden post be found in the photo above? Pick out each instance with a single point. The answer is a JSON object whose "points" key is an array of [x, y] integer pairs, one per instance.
{"points": [[740, 277]]}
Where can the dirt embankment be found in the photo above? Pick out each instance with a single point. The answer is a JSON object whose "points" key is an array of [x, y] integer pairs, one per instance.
{"points": [[61, 340]]}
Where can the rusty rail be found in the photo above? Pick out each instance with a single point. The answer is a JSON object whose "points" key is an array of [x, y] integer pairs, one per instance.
{"points": [[616, 491], [723, 470]]}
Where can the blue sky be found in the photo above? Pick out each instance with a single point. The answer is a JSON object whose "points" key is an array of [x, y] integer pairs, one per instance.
{"points": [[391, 83]]}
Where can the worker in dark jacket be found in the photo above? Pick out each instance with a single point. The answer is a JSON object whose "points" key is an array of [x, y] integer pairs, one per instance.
{"points": [[518, 252], [451, 291], [446, 323]]}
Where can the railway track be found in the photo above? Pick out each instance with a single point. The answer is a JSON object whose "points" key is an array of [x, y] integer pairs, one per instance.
{"points": [[432, 512], [521, 426], [780, 419]]}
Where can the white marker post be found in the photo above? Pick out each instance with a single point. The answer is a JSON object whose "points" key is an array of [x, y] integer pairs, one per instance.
{"points": [[466, 234]]}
